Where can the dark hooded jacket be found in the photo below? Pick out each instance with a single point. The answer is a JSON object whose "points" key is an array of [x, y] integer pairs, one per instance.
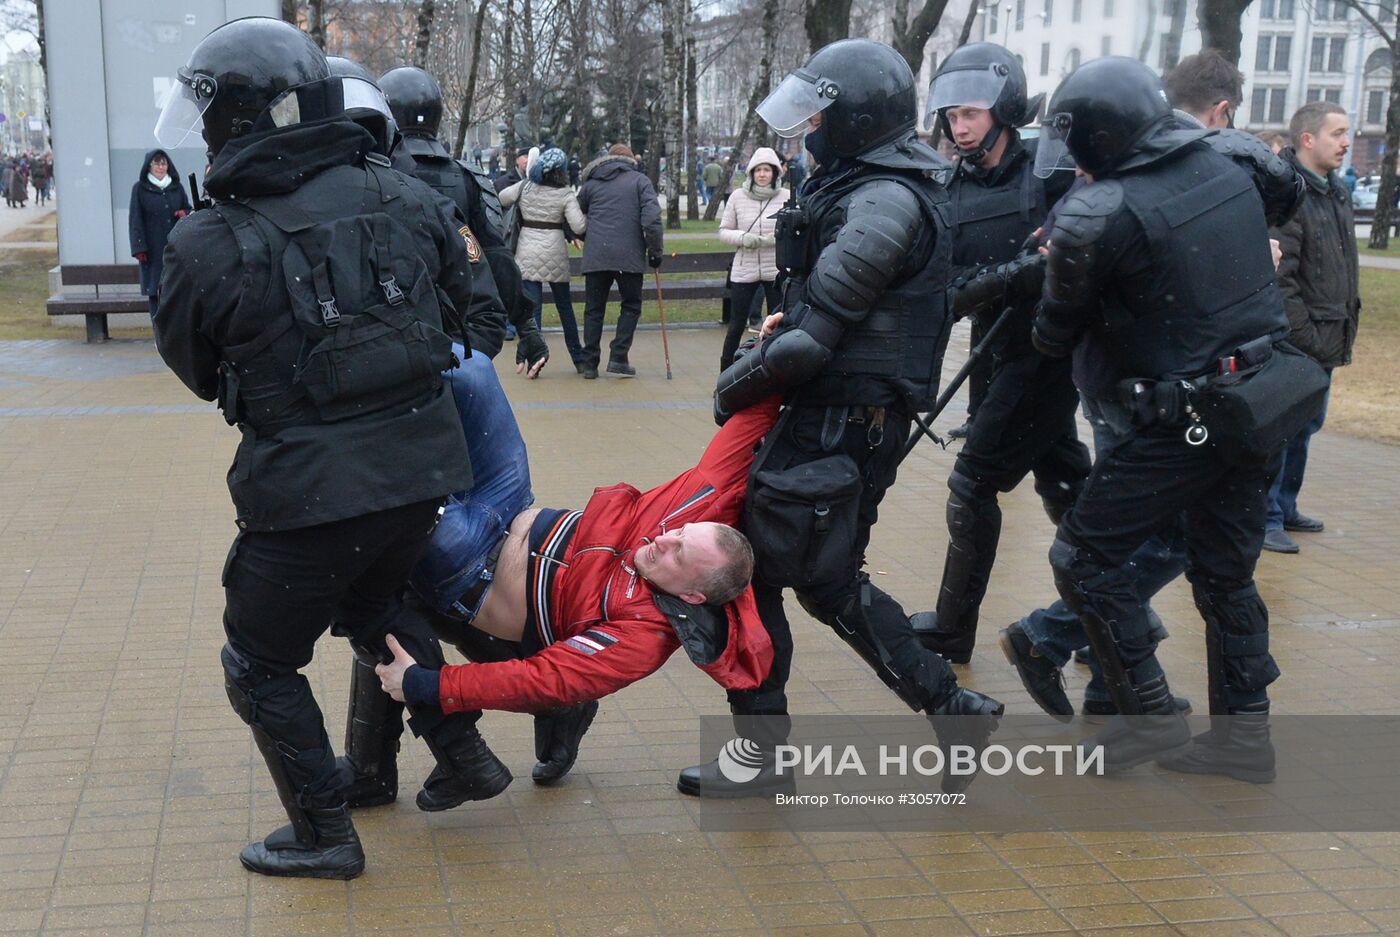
{"points": [[624, 217], [151, 216], [217, 295]]}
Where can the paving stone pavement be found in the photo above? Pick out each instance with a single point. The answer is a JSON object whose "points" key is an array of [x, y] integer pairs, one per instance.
{"points": [[127, 786]]}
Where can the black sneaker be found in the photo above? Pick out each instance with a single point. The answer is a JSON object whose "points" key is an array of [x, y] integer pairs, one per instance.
{"points": [[1040, 676], [589, 372], [621, 368]]}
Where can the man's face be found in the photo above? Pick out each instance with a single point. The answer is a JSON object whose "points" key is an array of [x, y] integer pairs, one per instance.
{"points": [[970, 125], [522, 161], [1329, 147], [679, 560]]}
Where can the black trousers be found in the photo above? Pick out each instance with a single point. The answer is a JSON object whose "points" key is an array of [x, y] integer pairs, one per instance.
{"points": [[741, 300], [980, 377], [285, 589], [925, 679], [1140, 487], [595, 305]]}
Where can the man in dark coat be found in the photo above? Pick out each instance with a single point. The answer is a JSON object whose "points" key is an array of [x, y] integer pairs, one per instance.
{"points": [[1319, 277], [623, 239], [158, 201]]}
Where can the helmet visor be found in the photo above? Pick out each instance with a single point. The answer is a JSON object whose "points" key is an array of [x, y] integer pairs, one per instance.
{"points": [[965, 87], [1052, 146], [182, 111], [800, 96], [361, 95]]}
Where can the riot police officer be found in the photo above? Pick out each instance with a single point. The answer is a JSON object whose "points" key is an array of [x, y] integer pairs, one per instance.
{"points": [[416, 102], [1163, 262], [306, 301], [860, 349], [1026, 421]]}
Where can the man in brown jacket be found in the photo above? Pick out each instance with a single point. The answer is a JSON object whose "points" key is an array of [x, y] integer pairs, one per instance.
{"points": [[1319, 280]]}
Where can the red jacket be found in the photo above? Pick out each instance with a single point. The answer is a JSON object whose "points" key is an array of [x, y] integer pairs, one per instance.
{"points": [[600, 592]]}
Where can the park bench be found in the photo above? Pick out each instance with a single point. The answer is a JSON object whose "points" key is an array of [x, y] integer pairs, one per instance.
{"points": [[96, 291], [678, 278]]}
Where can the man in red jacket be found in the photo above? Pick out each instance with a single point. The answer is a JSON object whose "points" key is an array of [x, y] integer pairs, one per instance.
{"points": [[586, 602]]}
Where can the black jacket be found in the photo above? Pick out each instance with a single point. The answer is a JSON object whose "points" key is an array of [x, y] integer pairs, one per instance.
{"points": [[624, 217], [151, 216], [1318, 274], [311, 473]]}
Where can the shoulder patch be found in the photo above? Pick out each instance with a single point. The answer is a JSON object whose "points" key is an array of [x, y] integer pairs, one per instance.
{"points": [[473, 245]]}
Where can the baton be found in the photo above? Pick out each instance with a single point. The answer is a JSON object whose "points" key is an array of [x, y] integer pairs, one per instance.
{"points": [[921, 423], [665, 345]]}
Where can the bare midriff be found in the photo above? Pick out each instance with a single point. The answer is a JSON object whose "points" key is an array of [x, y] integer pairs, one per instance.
{"points": [[503, 612]]}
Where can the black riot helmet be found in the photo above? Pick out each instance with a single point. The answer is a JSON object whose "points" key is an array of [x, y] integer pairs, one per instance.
{"points": [[1098, 113], [415, 99], [365, 104], [985, 75], [248, 76], [864, 91]]}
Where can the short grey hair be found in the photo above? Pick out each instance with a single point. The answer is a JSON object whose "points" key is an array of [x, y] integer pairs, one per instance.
{"points": [[726, 582]]}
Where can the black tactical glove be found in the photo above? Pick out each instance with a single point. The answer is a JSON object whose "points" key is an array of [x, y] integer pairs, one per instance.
{"points": [[654, 259], [1056, 346], [531, 349]]}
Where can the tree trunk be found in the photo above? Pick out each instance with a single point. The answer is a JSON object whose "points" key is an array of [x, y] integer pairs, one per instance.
{"points": [[692, 131], [289, 11], [760, 91], [1220, 26], [1172, 53], [1385, 194], [1151, 31], [464, 114], [508, 84], [672, 81], [910, 38], [316, 22], [825, 22], [426, 9], [44, 67]]}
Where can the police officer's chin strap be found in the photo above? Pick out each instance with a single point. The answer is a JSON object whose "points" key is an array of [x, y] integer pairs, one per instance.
{"points": [[974, 156]]}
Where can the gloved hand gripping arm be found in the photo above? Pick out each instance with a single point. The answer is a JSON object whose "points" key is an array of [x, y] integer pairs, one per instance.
{"points": [[993, 288]]}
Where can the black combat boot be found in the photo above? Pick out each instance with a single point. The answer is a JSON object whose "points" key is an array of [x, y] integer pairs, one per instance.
{"points": [[953, 646], [1132, 740], [709, 780], [965, 719], [327, 847], [557, 736], [466, 770], [1241, 751], [370, 766]]}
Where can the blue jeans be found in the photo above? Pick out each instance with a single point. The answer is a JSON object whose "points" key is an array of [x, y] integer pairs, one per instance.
{"points": [[472, 521], [1283, 493], [564, 303], [1056, 631]]}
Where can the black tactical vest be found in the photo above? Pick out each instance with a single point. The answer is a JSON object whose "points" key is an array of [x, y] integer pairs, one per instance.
{"points": [[991, 222], [1207, 285], [437, 168], [894, 355]]}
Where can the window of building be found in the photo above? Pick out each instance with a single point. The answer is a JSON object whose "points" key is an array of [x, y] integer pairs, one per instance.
{"points": [[1266, 105], [1049, 11], [1375, 107], [1020, 15], [1266, 9], [1283, 51], [1314, 94], [993, 20], [1106, 46], [1285, 9], [1045, 58], [1339, 54], [1258, 104], [1076, 10], [1073, 59], [1263, 52], [1107, 8], [1318, 57], [1276, 102]]}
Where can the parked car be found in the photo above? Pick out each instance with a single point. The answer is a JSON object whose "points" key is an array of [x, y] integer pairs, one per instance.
{"points": [[1363, 198]]}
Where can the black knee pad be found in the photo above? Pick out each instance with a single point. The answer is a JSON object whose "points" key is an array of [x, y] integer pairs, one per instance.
{"points": [[1237, 617], [1087, 584]]}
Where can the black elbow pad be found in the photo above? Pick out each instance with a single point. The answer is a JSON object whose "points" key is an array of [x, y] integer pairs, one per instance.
{"points": [[791, 358]]}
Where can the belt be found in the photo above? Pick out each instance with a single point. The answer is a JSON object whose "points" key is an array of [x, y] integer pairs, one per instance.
{"points": [[469, 602], [548, 225]]}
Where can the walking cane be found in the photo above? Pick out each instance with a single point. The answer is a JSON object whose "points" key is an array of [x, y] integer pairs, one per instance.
{"points": [[665, 345], [922, 426]]}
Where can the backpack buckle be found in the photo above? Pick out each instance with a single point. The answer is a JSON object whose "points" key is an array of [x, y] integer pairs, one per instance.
{"points": [[330, 315], [392, 294]]}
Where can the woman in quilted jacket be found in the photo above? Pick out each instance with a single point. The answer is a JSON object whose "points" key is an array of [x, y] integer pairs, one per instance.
{"points": [[749, 225], [549, 217]]}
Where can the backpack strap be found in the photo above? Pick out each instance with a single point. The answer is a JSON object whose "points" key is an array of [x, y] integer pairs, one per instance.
{"points": [[379, 259]]}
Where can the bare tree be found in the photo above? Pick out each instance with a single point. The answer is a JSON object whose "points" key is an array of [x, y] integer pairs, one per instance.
{"points": [[289, 11], [1385, 194], [426, 10], [825, 22], [316, 21], [671, 102], [1149, 33], [760, 91], [464, 112], [1219, 21], [692, 131], [1171, 40], [910, 37]]}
